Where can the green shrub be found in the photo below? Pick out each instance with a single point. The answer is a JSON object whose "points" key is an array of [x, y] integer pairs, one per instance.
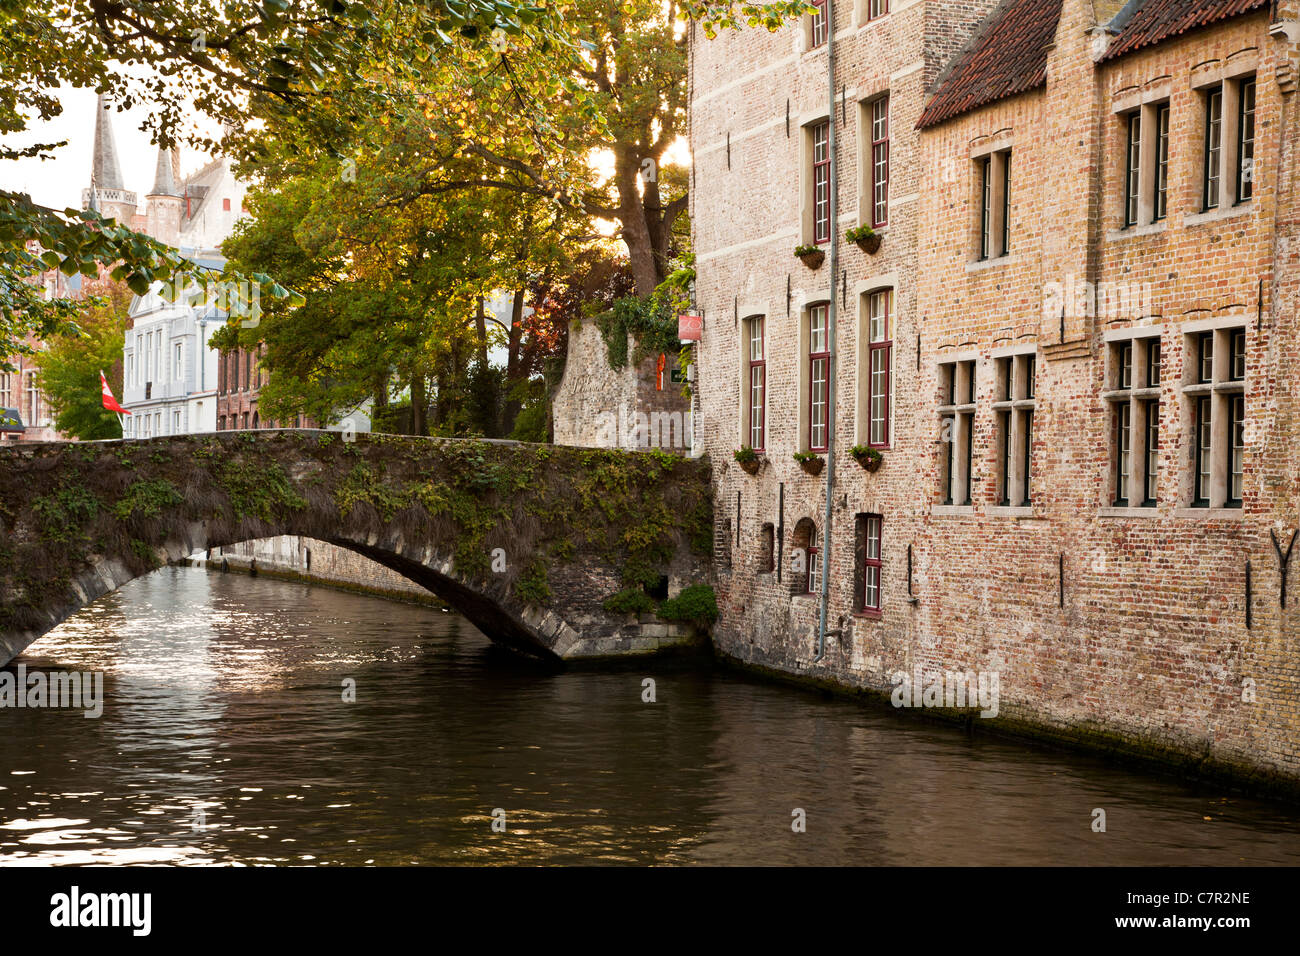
{"points": [[630, 601], [696, 605]]}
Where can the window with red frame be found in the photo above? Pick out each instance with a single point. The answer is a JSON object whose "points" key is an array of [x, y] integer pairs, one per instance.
{"points": [[819, 361], [869, 537], [817, 22], [880, 162], [757, 385], [879, 363], [821, 181], [814, 584]]}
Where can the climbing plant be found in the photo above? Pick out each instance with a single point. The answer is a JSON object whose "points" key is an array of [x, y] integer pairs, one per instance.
{"points": [[650, 321]]}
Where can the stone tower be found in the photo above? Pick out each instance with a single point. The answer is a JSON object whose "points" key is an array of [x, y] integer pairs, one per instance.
{"points": [[163, 216], [107, 194]]}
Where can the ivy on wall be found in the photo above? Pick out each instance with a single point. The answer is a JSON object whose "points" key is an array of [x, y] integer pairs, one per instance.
{"points": [[650, 322]]}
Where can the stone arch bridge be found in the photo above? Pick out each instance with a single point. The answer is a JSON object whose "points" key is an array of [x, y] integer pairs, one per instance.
{"points": [[527, 541]]}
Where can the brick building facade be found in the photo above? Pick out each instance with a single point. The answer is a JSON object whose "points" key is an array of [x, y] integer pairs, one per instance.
{"points": [[1074, 351]]}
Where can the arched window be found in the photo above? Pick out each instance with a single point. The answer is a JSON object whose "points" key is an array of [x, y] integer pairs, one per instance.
{"points": [[255, 422], [805, 558], [767, 549]]}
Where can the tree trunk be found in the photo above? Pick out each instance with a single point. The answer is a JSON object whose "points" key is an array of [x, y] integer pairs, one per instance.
{"points": [[646, 272], [381, 395], [513, 371], [480, 328], [418, 400]]}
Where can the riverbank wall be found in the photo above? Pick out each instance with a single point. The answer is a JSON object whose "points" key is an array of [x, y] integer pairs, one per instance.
{"points": [[300, 558]]}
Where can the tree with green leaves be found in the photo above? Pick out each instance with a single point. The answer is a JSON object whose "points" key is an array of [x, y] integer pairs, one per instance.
{"points": [[292, 61], [314, 71], [394, 281], [71, 363]]}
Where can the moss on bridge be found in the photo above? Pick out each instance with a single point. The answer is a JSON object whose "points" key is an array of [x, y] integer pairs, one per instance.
{"points": [[65, 506]]}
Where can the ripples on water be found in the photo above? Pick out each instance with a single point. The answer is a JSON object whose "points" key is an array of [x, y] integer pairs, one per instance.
{"points": [[224, 695]]}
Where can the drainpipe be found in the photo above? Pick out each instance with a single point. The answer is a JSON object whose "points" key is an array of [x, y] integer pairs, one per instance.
{"points": [[832, 322]]}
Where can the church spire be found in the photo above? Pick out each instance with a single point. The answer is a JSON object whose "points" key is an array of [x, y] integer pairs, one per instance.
{"points": [[104, 171], [164, 177]]}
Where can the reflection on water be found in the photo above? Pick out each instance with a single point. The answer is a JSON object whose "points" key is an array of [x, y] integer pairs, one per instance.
{"points": [[225, 739]]}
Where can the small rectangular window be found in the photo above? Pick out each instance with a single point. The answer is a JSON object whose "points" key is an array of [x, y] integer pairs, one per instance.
{"points": [[1133, 169], [1008, 457], [1215, 398], [1006, 205], [817, 22], [757, 385], [1213, 147], [1237, 456], [818, 378], [1135, 445], [1246, 141], [877, 9], [880, 349], [814, 580], [1151, 473], [821, 182], [1205, 358], [1203, 438], [986, 207], [956, 431], [872, 567], [1161, 205], [880, 162], [1123, 445]]}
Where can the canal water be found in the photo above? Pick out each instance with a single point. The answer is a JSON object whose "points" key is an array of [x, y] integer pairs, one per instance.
{"points": [[225, 738]]}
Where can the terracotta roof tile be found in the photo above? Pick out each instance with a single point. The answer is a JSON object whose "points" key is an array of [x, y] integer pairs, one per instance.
{"points": [[1007, 55], [1157, 20]]}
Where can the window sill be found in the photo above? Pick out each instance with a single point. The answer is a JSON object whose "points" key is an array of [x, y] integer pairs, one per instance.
{"points": [[867, 615], [1128, 511], [1215, 215], [983, 265], [865, 24], [1209, 513], [1010, 511], [952, 510], [1132, 232]]}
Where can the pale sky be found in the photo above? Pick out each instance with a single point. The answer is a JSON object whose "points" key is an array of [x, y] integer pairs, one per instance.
{"points": [[58, 182]]}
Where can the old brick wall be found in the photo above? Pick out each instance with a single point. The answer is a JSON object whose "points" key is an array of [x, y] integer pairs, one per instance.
{"points": [[1148, 651], [638, 406], [746, 216]]}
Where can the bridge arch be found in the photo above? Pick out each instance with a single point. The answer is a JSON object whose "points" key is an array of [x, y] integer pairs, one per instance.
{"points": [[527, 541]]}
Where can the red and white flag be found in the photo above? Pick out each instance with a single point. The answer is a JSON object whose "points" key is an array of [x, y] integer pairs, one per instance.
{"points": [[109, 401]]}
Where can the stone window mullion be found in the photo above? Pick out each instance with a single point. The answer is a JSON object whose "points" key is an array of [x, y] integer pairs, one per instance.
{"points": [[1149, 162]]}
